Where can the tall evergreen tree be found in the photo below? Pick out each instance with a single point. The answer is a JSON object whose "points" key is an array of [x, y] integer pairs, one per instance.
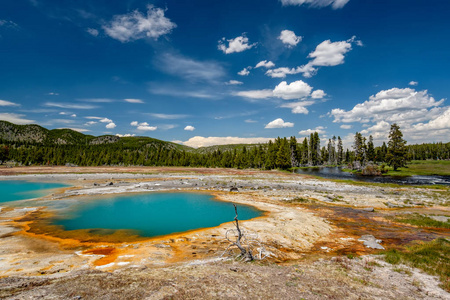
{"points": [[370, 150], [340, 151], [396, 155]]}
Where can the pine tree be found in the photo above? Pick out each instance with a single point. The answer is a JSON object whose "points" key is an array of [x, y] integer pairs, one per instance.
{"points": [[396, 155], [340, 151], [370, 150]]}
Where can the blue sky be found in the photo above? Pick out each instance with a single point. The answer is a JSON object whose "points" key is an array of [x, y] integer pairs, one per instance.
{"points": [[212, 72]]}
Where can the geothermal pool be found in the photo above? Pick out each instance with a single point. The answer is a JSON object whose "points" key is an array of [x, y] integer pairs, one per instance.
{"points": [[15, 190], [152, 214]]}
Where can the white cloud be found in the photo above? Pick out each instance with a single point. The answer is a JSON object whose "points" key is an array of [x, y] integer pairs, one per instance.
{"points": [[393, 105], [70, 106], [98, 100], [92, 31], [9, 24], [279, 123], [53, 94], [90, 123], [346, 126], [318, 94], [199, 141], [105, 120], [319, 130], [125, 135], [8, 103], [266, 64], [237, 44], [413, 83], [73, 115], [335, 4], [15, 118], [189, 128], [190, 69], [326, 54], [133, 100], [289, 38], [146, 128], [298, 107], [255, 94], [136, 25], [111, 125], [250, 121], [440, 122], [77, 129], [234, 82], [295, 90], [167, 116], [244, 71], [282, 72]]}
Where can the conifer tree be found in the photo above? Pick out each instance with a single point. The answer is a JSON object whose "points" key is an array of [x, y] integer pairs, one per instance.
{"points": [[396, 155]]}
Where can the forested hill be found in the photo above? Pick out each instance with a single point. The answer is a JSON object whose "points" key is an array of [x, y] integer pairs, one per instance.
{"points": [[34, 134]]}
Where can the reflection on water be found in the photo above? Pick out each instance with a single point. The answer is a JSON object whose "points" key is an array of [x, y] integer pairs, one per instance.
{"points": [[337, 173]]}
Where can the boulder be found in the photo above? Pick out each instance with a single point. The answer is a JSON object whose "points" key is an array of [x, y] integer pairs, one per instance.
{"points": [[371, 242]]}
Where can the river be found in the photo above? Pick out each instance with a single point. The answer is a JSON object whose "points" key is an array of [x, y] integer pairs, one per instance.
{"points": [[337, 173]]}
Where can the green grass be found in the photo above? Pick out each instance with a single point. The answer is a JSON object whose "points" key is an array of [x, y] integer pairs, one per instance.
{"points": [[431, 257], [421, 221], [423, 167]]}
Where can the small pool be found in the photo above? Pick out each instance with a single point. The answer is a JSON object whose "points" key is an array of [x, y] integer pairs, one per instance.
{"points": [[14, 190], [155, 214]]}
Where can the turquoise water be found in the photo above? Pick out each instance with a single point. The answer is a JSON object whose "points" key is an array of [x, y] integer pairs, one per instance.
{"points": [[155, 214], [13, 190]]}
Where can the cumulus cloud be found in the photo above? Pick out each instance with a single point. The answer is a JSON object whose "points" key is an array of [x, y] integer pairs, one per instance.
{"points": [[199, 141], [298, 107], [133, 100], [266, 64], [111, 125], [295, 90], [318, 94], [125, 135], [279, 123], [346, 126], [413, 83], [144, 126], [15, 118], [8, 103], [147, 128], [90, 123], [244, 71], [136, 25], [319, 130], [190, 69], [189, 128], [92, 31], [255, 94], [73, 115], [335, 4], [289, 38], [393, 105], [237, 44], [234, 82], [326, 54], [105, 120]]}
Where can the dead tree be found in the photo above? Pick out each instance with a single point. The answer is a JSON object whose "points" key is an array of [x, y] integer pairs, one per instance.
{"points": [[245, 242]]}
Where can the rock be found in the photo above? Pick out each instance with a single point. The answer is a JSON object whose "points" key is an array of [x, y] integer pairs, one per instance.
{"points": [[234, 269], [371, 242], [111, 183], [368, 209], [391, 205], [95, 184], [440, 218], [234, 189]]}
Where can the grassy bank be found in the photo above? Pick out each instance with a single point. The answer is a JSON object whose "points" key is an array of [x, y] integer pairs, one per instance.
{"points": [[423, 167], [431, 257]]}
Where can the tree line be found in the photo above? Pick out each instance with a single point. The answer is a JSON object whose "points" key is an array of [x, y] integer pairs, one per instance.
{"points": [[282, 153]]}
